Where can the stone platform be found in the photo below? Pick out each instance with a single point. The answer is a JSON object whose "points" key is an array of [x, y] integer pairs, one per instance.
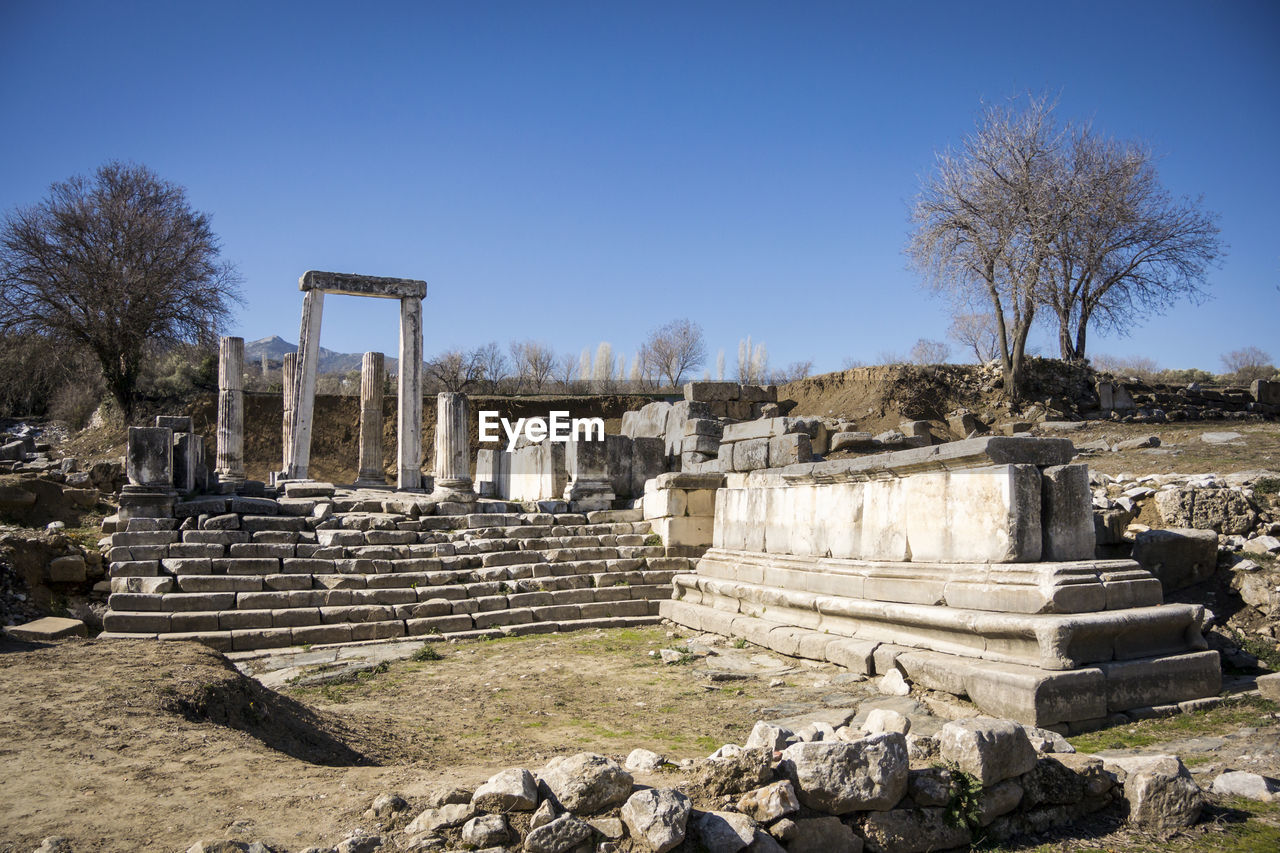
{"points": [[968, 567]]}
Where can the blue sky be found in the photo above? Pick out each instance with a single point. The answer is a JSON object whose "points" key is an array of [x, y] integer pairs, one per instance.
{"points": [[579, 172]]}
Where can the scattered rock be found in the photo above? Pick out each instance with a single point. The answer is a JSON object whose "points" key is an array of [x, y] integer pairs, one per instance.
{"points": [[563, 833], [769, 803], [657, 817], [893, 684], [486, 830], [1252, 786], [771, 738], [644, 761], [723, 832], [886, 720], [736, 774], [450, 814]]}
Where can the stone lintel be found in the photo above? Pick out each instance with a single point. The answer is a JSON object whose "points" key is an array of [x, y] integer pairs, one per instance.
{"points": [[971, 453], [350, 284]]}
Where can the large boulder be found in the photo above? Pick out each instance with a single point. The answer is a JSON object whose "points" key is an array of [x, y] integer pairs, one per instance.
{"points": [[1179, 557], [512, 790], [586, 782], [912, 831], [823, 835], [1160, 791], [656, 818], [839, 777], [735, 773], [1221, 510], [990, 749]]}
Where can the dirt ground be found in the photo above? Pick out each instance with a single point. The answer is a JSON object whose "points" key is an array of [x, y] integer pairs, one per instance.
{"points": [[1183, 449], [151, 746], [142, 745]]}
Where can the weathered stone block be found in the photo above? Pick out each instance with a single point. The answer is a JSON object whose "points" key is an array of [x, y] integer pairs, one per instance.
{"points": [[867, 775], [1179, 557], [991, 750], [791, 449], [751, 454], [1066, 514]]}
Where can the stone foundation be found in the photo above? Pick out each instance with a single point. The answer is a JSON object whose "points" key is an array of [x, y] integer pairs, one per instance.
{"points": [[966, 566]]}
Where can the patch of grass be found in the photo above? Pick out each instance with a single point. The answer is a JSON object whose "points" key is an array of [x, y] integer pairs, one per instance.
{"points": [[739, 643], [652, 539], [1269, 486], [1234, 713], [1260, 648], [426, 653]]}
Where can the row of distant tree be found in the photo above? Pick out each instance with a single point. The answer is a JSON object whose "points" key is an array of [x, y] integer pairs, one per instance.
{"points": [[670, 356]]}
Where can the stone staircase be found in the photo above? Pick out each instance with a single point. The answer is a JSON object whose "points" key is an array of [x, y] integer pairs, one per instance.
{"points": [[245, 579]]}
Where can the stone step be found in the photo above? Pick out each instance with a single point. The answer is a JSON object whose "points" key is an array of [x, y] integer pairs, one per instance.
{"points": [[1042, 640], [1049, 698], [496, 623]]}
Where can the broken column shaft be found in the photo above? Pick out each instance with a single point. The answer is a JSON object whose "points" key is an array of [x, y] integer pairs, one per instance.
{"points": [[453, 448]]}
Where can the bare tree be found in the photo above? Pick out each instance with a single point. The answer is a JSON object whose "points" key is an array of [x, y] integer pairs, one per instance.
{"points": [[987, 219], [116, 264], [1247, 364], [492, 364], [675, 349], [534, 362], [975, 331], [566, 370], [927, 351], [793, 372], [1125, 247], [454, 370], [720, 366], [753, 362], [602, 368], [1135, 366]]}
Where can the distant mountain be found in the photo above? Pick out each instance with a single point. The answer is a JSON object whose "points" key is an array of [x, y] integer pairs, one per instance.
{"points": [[276, 348]]}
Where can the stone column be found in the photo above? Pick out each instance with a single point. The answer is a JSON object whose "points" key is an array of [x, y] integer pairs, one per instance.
{"points": [[304, 385], [409, 417], [230, 462], [453, 448], [288, 371], [371, 375]]}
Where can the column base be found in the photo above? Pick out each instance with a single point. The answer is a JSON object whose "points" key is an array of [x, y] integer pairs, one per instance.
{"points": [[454, 491], [371, 483], [144, 502]]}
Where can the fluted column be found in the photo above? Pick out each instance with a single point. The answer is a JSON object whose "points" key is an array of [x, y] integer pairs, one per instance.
{"points": [[288, 370], [453, 448], [230, 461], [371, 379]]}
